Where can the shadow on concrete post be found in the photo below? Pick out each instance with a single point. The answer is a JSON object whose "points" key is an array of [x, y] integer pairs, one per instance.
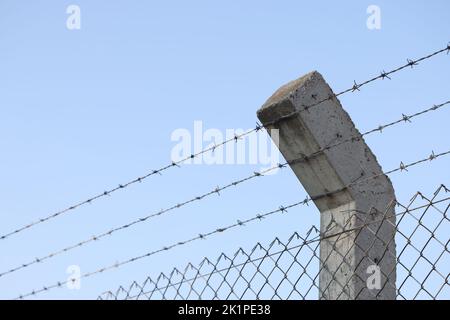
{"points": [[329, 176]]}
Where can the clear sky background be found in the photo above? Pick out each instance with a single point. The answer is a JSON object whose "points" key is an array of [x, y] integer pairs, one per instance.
{"points": [[82, 111]]}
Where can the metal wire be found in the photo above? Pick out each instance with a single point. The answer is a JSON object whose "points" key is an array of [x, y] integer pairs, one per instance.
{"points": [[357, 137], [98, 237], [355, 87], [129, 183], [217, 190], [281, 209], [258, 217], [424, 223], [290, 270]]}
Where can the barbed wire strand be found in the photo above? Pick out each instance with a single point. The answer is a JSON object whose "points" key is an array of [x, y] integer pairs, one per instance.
{"points": [[355, 87], [217, 190], [258, 217], [386, 217], [357, 137]]}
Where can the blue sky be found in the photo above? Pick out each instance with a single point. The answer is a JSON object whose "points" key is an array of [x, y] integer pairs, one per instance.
{"points": [[82, 111]]}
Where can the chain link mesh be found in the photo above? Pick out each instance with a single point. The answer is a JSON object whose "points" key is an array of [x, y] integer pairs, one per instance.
{"points": [[292, 269]]}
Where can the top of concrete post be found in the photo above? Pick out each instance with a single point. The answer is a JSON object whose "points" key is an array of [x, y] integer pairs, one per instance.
{"points": [[319, 121]]}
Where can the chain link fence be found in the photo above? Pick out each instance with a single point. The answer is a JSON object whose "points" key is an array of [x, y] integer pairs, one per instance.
{"points": [[292, 269]]}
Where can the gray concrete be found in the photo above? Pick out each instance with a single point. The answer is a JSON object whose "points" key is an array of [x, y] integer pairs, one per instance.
{"points": [[327, 176]]}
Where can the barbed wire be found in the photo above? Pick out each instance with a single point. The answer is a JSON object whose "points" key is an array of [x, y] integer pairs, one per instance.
{"points": [[305, 241], [357, 137], [407, 118], [355, 87], [258, 217], [401, 167], [217, 190], [140, 179], [387, 216]]}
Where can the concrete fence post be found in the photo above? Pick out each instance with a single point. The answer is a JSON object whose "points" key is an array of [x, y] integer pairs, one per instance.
{"points": [[329, 177]]}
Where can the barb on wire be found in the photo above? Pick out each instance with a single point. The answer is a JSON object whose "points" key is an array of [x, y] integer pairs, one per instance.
{"points": [[258, 217], [258, 127], [217, 190]]}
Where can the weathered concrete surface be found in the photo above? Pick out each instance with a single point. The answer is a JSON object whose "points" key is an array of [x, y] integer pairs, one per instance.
{"points": [[326, 177]]}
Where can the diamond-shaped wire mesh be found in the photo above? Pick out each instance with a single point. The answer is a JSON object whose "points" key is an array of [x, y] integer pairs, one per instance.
{"points": [[293, 269]]}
